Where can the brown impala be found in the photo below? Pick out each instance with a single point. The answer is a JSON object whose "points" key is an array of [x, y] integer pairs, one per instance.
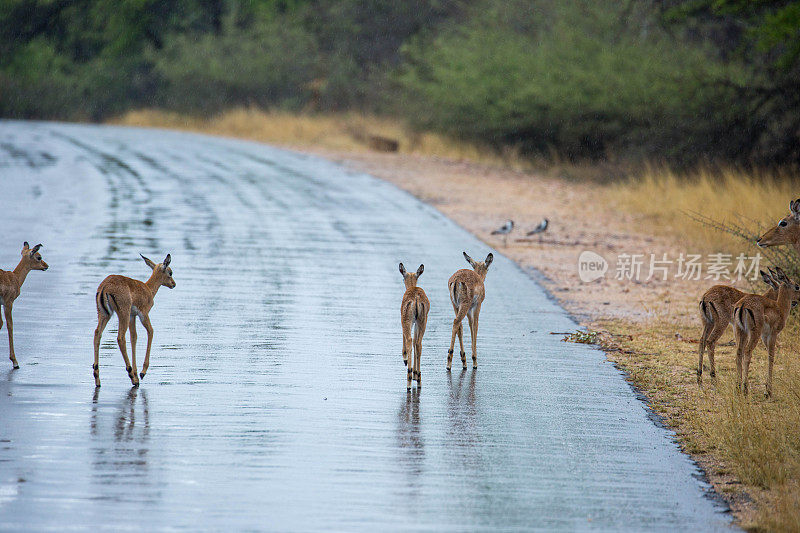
{"points": [[10, 285], [466, 295], [757, 317], [129, 298], [413, 314]]}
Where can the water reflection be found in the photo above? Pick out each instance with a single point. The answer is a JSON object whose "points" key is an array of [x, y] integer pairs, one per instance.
{"points": [[412, 445], [462, 414], [121, 437]]}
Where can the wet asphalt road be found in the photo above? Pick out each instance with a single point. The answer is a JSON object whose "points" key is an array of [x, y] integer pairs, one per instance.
{"points": [[276, 392]]}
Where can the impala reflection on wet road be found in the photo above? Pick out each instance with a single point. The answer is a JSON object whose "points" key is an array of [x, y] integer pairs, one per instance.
{"points": [[276, 395]]}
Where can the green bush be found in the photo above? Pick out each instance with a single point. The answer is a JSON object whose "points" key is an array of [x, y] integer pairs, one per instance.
{"points": [[264, 65], [577, 79]]}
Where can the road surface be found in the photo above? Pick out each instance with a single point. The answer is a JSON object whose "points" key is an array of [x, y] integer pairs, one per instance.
{"points": [[276, 393]]}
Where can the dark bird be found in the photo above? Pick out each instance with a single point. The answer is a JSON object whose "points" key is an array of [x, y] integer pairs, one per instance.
{"points": [[504, 230], [540, 228]]}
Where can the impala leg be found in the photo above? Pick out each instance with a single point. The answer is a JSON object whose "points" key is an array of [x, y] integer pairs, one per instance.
{"points": [[1, 320], [706, 330], [417, 354], [470, 321], [145, 320], [741, 340], [461, 344], [419, 331], [124, 319], [771, 350], [456, 326], [408, 354], [132, 331], [748, 355], [711, 343], [461, 312], [406, 345], [102, 321], [473, 329], [10, 328]]}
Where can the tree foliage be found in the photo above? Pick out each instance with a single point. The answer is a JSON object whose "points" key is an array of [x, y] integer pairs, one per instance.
{"points": [[676, 80]]}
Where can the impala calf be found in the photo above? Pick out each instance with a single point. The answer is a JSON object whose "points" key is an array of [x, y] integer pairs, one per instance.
{"points": [[129, 298], [10, 285], [466, 295], [787, 231], [413, 315], [716, 312], [757, 317]]}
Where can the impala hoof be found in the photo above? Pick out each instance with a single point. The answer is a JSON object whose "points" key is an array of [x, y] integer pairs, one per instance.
{"points": [[16, 366]]}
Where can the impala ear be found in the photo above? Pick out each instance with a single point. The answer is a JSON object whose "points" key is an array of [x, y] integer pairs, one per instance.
{"points": [[35, 249], [768, 279], [794, 207], [25, 247], [148, 262], [167, 261], [489, 259], [469, 259], [420, 270], [402, 269]]}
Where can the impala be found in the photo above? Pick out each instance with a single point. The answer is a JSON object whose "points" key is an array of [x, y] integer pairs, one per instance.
{"points": [[10, 285], [413, 315], [466, 295], [129, 298], [757, 317], [716, 312]]}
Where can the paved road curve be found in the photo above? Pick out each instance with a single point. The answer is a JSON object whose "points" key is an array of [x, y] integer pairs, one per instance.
{"points": [[276, 393]]}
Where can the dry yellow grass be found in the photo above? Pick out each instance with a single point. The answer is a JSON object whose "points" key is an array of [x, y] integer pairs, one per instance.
{"points": [[344, 132], [663, 200]]}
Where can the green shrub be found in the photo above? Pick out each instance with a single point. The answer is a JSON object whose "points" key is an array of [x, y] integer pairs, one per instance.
{"points": [[578, 78], [264, 65]]}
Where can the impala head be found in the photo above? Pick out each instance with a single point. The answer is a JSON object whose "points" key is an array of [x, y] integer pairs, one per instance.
{"points": [[32, 257], [787, 231], [784, 281], [480, 268], [162, 271], [410, 278]]}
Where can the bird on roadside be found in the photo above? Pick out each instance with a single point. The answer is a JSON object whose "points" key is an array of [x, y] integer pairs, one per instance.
{"points": [[504, 230], [542, 227]]}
